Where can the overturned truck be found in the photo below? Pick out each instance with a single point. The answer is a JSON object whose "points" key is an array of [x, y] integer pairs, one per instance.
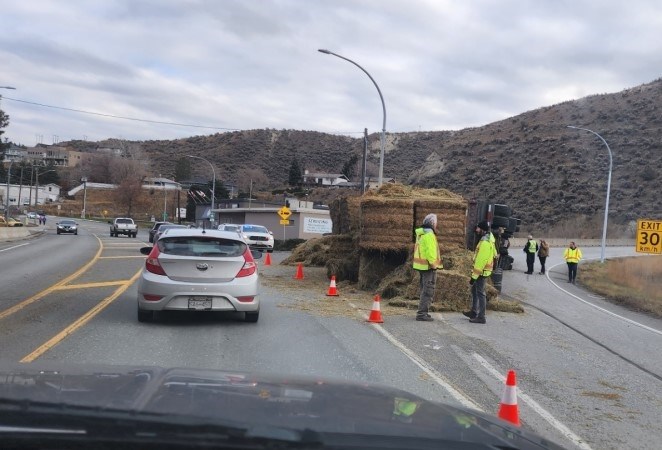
{"points": [[373, 239]]}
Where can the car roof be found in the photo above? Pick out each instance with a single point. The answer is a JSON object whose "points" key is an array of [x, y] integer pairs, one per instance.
{"points": [[194, 232]]}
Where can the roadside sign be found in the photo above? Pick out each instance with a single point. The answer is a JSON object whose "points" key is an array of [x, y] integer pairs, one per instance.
{"points": [[284, 222], [284, 213], [649, 236]]}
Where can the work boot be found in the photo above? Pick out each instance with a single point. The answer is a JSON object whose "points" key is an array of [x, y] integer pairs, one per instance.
{"points": [[477, 320], [427, 318], [469, 314]]}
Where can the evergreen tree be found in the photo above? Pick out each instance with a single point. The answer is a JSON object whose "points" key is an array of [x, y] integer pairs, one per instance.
{"points": [[296, 176], [183, 169], [349, 169]]}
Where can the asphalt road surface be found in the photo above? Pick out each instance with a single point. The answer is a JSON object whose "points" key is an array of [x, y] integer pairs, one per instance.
{"points": [[589, 372]]}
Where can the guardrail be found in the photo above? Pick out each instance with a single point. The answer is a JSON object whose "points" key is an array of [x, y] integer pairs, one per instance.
{"points": [[563, 242]]}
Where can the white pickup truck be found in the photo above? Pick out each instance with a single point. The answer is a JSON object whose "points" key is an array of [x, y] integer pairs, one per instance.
{"points": [[123, 225]]}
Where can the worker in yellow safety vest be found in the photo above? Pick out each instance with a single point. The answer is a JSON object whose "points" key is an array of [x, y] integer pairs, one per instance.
{"points": [[572, 256], [427, 260], [530, 248], [482, 269]]}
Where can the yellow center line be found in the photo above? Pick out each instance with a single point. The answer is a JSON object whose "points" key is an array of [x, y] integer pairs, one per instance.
{"points": [[9, 311], [122, 257], [62, 335], [91, 285]]}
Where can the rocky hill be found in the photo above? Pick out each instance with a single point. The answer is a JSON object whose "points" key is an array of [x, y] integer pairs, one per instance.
{"points": [[550, 174]]}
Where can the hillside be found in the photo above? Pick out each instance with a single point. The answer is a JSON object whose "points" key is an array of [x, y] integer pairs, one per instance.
{"points": [[548, 173]]}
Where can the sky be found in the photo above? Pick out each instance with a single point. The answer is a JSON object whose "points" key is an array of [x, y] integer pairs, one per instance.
{"points": [[170, 69]]}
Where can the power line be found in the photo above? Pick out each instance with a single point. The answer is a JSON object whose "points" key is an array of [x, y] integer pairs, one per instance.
{"points": [[120, 117]]}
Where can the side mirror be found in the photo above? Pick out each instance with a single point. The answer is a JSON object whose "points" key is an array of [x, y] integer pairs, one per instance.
{"points": [[271, 233], [146, 250]]}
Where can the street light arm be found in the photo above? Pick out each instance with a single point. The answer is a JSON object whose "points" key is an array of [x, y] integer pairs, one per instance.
{"points": [[382, 139], [381, 97]]}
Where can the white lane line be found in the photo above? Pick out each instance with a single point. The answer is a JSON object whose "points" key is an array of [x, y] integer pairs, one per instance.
{"points": [[420, 362], [625, 319], [542, 412], [15, 246]]}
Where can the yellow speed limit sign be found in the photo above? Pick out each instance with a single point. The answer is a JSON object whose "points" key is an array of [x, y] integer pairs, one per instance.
{"points": [[649, 236]]}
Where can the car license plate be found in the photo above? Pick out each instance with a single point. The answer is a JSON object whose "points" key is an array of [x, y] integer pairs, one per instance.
{"points": [[199, 303]]}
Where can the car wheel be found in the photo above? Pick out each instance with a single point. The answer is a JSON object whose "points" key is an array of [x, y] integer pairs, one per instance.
{"points": [[135, 235], [145, 315], [252, 316], [58, 232], [76, 233]]}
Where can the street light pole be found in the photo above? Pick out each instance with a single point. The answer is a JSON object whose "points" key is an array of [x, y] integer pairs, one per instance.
{"points": [[84, 180], [382, 139], [604, 225], [7, 215], [213, 186]]}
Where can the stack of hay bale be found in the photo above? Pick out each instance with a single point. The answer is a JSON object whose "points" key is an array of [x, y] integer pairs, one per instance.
{"points": [[374, 239]]}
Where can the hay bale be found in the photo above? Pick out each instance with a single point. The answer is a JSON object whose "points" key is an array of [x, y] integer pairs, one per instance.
{"points": [[451, 217], [346, 215], [386, 223]]}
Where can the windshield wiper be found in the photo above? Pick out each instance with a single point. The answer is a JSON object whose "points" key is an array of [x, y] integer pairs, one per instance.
{"points": [[22, 420]]}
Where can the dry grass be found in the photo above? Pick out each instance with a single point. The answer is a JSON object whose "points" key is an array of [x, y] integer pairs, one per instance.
{"points": [[631, 282]]}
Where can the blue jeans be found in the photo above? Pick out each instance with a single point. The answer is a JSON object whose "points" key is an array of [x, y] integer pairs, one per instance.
{"points": [[478, 297]]}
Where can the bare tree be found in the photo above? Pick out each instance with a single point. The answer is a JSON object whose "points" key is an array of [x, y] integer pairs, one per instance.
{"points": [[254, 176], [128, 175]]}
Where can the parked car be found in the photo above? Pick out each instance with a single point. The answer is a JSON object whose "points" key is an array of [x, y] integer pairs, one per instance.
{"points": [[230, 227], [32, 215], [258, 237], [165, 227], [192, 269], [154, 229], [67, 226], [11, 222]]}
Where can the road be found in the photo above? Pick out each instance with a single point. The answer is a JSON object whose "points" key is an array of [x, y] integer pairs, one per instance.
{"points": [[589, 373]]}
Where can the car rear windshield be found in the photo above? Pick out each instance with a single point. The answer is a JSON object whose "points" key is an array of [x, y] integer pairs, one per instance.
{"points": [[255, 229], [124, 220], [201, 246]]}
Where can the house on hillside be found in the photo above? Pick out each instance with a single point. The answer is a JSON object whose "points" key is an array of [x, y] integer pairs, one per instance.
{"points": [[324, 179], [160, 183]]}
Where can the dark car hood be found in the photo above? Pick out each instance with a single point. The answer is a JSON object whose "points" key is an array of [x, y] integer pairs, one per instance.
{"points": [[295, 403]]}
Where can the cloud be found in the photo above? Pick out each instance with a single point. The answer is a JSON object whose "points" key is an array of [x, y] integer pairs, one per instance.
{"points": [[254, 64]]}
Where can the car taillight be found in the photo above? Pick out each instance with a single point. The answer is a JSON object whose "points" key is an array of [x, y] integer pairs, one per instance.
{"points": [[152, 263], [249, 267], [246, 299]]}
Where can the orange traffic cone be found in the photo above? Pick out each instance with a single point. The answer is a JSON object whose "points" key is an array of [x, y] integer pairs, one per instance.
{"points": [[376, 313], [332, 292], [299, 274], [508, 409], [267, 260]]}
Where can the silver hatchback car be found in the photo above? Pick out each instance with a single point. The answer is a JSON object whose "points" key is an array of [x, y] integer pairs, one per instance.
{"points": [[193, 269]]}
